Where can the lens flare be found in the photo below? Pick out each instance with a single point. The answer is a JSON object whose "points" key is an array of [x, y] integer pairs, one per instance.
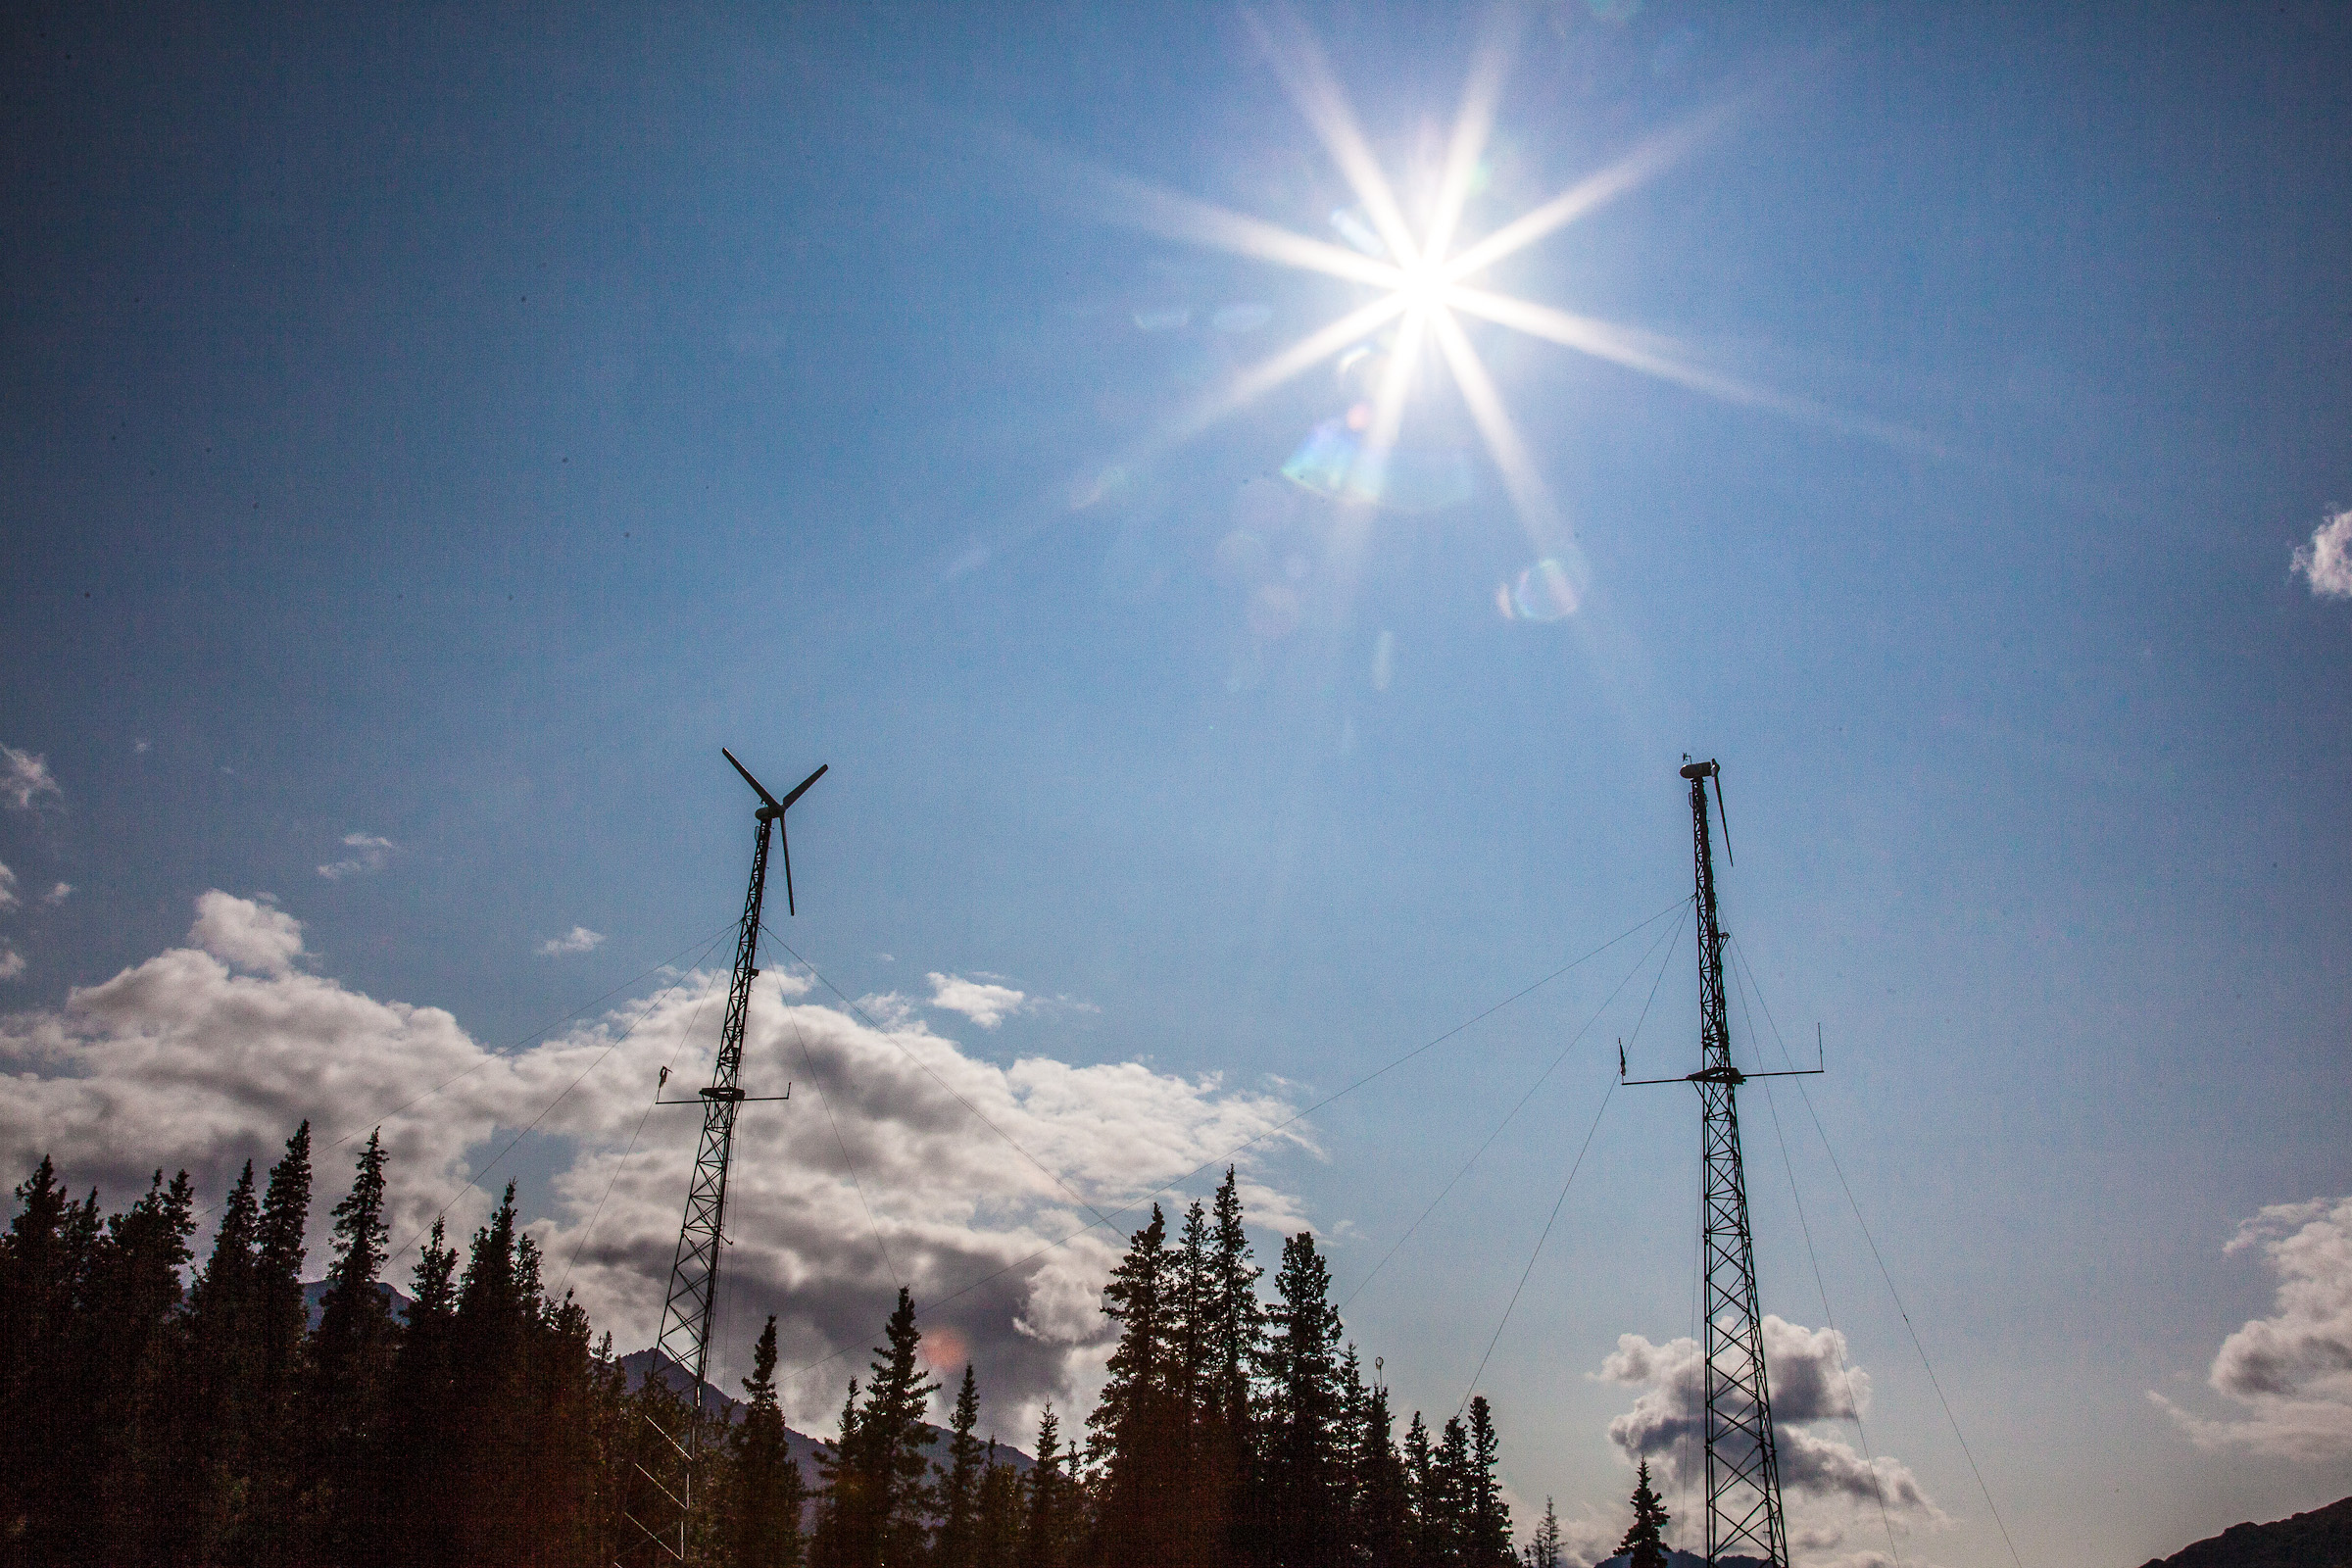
{"points": [[1420, 282], [1545, 592], [1339, 460]]}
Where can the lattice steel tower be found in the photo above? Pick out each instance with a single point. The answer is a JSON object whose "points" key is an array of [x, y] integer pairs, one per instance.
{"points": [[686, 1313], [1744, 1472]]}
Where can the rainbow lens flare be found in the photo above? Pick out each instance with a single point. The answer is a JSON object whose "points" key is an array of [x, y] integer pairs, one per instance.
{"points": [[1337, 461], [1545, 592]]}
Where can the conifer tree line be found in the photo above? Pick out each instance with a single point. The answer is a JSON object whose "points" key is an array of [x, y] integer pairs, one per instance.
{"points": [[182, 1414]]}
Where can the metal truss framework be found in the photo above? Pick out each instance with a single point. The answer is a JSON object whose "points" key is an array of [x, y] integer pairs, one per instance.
{"points": [[1742, 1464]]}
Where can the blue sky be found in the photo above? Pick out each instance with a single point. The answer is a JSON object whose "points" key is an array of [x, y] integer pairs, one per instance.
{"points": [[449, 430]]}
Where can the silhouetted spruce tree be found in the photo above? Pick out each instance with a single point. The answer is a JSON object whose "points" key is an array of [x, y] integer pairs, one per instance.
{"points": [[1297, 1518], [1235, 1333], [613, 1425], [1141, 1441], [1383, 1499], [86, 1313], [220, 1376], [1424, 1497], [1048, 1501], [999, 1530], [485, 1394], [1237, 1323], [1544, 1548], [1486, 1518], [1192, 1295], [1348, 1507], [350, 1371], [876, 1502], [517, 1366], [280, 1327], [417, 1463], [842, 1504], [958, 1541], [1204, 1479], [1644, 1544], [1446, 1536], [41, 1277], [765, 1488], [129, 1386], [563, 1478]]}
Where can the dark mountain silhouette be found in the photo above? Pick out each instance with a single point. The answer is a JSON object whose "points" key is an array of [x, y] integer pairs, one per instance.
{"points": [[2320, 1539], [803, 1448], [313, 1301]]}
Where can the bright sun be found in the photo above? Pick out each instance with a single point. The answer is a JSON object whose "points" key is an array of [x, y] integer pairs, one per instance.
{"points": [[1424, 278]]}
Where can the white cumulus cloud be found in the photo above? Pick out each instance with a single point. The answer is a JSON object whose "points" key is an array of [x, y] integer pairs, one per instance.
{"points": [[8, 887], [11, 962], [985, 1003], [2327, 562], [1829, 1487], [205, 1055], [25, 780], [2290, 1373], [246, 933], [368, 852], [58, 894], [580, 939]]}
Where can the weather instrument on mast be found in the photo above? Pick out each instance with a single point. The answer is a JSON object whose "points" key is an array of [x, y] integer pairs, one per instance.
{"points": [[687, 1311], [1742, 1462]]}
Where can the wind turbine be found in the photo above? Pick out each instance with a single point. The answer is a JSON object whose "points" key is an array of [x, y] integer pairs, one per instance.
{"points": [[686, 1314]]}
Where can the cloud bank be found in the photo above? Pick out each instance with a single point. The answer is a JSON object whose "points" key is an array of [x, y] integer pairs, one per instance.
{"points": [[2290, 1373], [875, 1172], [2327, 562], [1830, 1491], [580, 939]]}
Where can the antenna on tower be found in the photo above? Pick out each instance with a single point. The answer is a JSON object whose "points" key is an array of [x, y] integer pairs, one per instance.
{"points": [[1742, 1462], [687, 1312]]}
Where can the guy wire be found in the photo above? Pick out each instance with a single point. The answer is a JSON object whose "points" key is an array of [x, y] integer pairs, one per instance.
{"points": [[1071, 1235], [1745, 974], [1904, 1312]]}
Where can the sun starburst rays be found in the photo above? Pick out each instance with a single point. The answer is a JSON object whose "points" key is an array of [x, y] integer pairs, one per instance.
{"points": [[1425, 279]]}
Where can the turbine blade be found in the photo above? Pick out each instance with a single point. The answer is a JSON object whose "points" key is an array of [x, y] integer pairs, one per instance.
{"points": [[1727, 819], [785, 838], [802, 788], [757, 787]]}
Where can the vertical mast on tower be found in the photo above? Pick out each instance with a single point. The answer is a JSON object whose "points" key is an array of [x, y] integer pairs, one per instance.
{"points": [[1743, 1474], [1742, 1462]]}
